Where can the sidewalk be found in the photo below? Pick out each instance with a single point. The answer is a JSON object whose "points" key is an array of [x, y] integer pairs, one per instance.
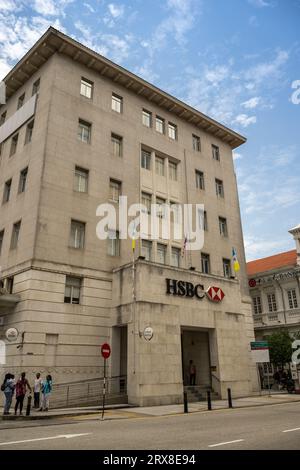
{"points": [[124, 411]]}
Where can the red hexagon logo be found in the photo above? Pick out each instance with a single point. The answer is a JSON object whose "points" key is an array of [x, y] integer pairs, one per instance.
{"points": [[215, 294]]}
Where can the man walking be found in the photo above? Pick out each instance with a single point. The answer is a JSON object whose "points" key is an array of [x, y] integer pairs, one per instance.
{"points": [[21, 388]]}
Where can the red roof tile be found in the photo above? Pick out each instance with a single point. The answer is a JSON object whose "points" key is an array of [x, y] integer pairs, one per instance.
{"points": [[288, 258]]}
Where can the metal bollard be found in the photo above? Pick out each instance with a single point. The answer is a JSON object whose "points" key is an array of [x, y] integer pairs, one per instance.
{"points": [[208, 400], [28, 408], [185, 402], [229, 398]]}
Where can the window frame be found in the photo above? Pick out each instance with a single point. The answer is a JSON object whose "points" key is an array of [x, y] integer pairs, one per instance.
{"points": [[146, 156], [205, 258], [115, 98], [23, 180], [197, 140], [88, 85], [148, 114], [81, 174], [161, 121], [68, 284], [15, 235], [215, 152], [200, 183], [73, 242], [115, 187], [82, 124], [172, 131], [7, 191]]}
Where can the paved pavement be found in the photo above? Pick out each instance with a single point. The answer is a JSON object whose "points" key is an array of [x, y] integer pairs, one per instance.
{"points": [[121, 411], [256, 427]]}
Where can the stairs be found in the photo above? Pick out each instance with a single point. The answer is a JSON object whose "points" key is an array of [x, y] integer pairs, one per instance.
{"points": [[199, 393]]}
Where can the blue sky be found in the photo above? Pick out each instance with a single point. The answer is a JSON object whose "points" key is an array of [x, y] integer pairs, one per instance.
{"points": [[235, 60]]}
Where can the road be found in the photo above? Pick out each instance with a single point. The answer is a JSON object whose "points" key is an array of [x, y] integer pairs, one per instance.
{"points": [[264, 427]]}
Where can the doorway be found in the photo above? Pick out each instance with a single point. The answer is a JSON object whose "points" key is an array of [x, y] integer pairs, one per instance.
{"points": [[195, 347]]}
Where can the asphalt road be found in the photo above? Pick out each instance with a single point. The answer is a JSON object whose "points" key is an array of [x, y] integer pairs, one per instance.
{"points": [[267, 427]]}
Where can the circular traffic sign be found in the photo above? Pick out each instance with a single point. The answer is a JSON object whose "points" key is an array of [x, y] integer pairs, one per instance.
{"points": [[105, 350]]}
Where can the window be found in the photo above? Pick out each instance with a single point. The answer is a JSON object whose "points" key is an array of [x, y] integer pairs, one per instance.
{"points": [[172, 131], [114, 190], [257, 305], [147, 118], [22, 180], [147, 250], [81, 180], [176, 212], [173, 171], [227, 268], [272, 302], [146, 160], [14, 143], [2, 118], [219, 188], [113, 248], [160, 209], [21, 101], [15, 235], [117, 145], [161, 253], [146, 201], [36, 87], [292, 296], [160, 125], [77, 234], [196, 143], [10, 284], [1, 240], [117, 103], [223, 227], [175, 257], [72, 290], [199, 179], [29, 131], [84, 131], [203, 220], [215, 152], [205, 263], [6, 192], [160, 166], [86, 88]]}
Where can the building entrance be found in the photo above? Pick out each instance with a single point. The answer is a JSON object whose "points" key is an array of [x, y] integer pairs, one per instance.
{"points": [[195, 347]]}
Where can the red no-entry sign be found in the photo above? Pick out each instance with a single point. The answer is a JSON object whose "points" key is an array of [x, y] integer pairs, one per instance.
{"points": [[105, 350]]}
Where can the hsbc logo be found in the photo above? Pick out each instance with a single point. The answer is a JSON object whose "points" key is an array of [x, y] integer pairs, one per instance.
{"points": [[188, 289]]}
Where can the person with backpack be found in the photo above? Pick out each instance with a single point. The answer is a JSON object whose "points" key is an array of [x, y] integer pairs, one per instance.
{"points": [[21, 388], [8, 388], [46, 392]]}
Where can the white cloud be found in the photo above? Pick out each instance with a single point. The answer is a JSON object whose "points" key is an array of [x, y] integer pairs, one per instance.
{"points": [[258, 247], [51, 7], [236, 155], [244, 120], [115, 10], [252, 102], [267, 71], [89, 7], [9, 6], [260, 3]]}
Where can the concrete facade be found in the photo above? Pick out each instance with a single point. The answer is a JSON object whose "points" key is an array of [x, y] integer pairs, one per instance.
{"points": [[63, 338]]}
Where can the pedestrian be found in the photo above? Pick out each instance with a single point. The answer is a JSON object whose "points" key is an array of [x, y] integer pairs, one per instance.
{"points": [[8, 388], [21, 388], [46, 392], [37, 390], [192, 371]]}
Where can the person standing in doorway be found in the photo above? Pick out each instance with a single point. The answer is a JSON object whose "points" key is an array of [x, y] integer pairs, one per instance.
{"points": [[21, 389], [192, 371], [37, 390], [46, 392]]}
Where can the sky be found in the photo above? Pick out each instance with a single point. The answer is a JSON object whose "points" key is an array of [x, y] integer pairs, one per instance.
{"points": [[237, 61]]}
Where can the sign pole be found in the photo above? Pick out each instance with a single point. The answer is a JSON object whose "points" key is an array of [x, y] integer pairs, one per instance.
{"points": [[105, 352], [268, 375], [104, 389]]}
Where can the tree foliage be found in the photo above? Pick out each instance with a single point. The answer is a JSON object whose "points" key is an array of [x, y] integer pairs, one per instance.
{"points": [[280, 346]]}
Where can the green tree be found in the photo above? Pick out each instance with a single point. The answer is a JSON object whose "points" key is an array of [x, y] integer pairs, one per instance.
{"points": [[280, 346]]}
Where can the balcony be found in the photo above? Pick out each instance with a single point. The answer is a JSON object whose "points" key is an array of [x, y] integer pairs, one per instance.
{"points": [[7, 301], [278, 318]]}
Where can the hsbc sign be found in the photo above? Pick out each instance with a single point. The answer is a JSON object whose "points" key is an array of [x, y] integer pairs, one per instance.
{"points": [[188, 289]]}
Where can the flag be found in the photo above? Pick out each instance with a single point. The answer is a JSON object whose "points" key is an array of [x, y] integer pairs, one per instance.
{"points": [[133, 238], [236, 264], [184, 246]]}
